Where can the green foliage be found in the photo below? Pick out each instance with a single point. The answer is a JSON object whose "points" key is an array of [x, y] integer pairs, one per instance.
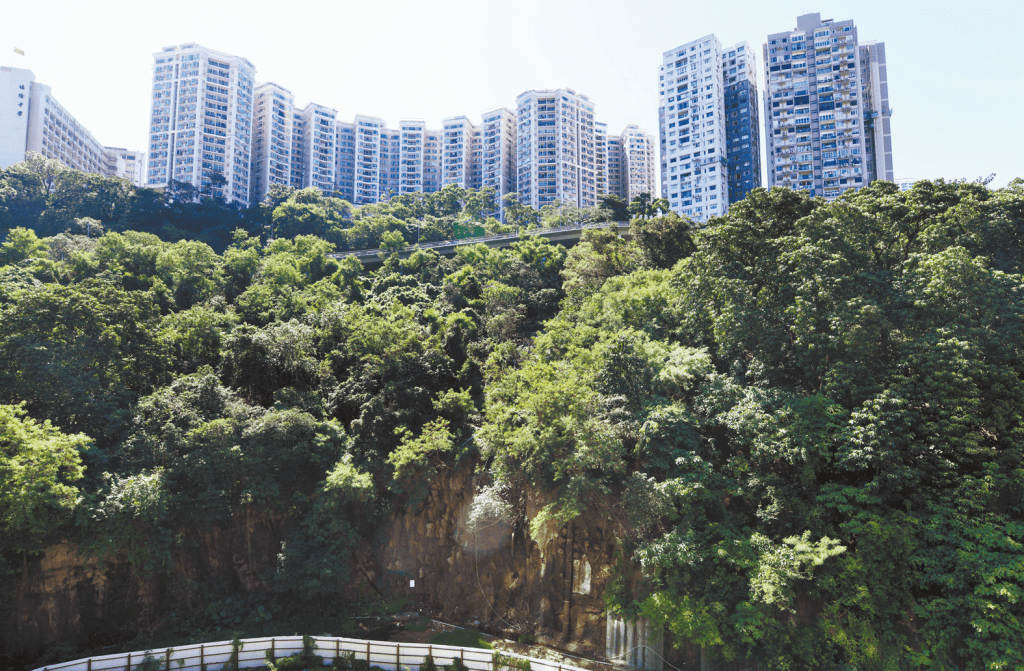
{"points": [[821, 409], [665, 240], [802, 422], [527, 638], [301, 661], [462, 638], [500, 661], [38, 464], [149, 663]]}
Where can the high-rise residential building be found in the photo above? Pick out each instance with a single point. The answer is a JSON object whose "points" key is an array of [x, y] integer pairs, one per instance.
{"points": [[273, 129], [345, 161], [742, 125], [556, 150], [457, 151], [694, 163], [601, 157], [200, 129], [433, 161], [367, 159], [411, 161], [390, 156], [875, 92], [905, 183], [637, 163], [476, 156], [298, 149], [318, 155], [498, 154], [366, 162], [614, 166], [826, 108]]}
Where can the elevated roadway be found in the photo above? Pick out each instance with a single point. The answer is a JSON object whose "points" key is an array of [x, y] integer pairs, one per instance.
{"points": [[565, 235]]}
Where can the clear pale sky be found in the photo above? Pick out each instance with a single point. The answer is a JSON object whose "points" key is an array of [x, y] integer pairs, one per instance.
{"points": [[955, 81]]}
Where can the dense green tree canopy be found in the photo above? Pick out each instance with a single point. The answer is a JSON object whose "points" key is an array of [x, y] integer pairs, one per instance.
{"points": [[804, 418]]}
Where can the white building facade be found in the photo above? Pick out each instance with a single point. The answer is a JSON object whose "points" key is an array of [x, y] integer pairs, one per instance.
{"points": [[498, 154], [556, 151], [826, 108], [273, 121], [694, 163], [457, 151], [200, 130], [33, 121], [367, 159], [637, 163], [126, 164], [319, 134]]}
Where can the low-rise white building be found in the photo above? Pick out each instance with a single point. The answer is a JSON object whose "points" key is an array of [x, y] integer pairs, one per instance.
{"points": [[126, 164]]}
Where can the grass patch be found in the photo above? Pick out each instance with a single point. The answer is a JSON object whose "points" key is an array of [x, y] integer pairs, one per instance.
{"points": [[466, 638]]}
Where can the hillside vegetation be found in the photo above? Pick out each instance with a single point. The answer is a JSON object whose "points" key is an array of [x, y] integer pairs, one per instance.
{"points": [[807, 417]]}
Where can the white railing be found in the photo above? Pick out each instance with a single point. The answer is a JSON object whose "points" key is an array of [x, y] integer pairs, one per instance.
{"points": [[384, 654], [483, 238]]}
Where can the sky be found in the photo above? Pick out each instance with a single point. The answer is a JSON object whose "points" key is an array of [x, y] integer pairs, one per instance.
{"points": [[949, 63]]}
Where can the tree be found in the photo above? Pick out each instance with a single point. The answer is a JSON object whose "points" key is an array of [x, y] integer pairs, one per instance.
{"points": [[21, 244], [38, 466], [665, 240], [519, 215], [614, 208], [80, 355]]}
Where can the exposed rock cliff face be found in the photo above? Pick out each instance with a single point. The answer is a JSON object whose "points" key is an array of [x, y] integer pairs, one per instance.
{"points": [[551, 585], [494, 573]]}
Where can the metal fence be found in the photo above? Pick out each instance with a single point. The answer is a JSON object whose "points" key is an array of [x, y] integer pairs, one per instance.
{"points": [[384, 654], [360, 253]]}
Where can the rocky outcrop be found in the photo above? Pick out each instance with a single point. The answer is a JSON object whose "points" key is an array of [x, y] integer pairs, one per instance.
{"points": [[551, 585], [494, 574]]}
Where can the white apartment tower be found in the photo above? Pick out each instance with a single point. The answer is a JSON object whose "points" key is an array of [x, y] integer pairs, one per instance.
{"points": [[273, 128], [433, 161], [318, 152], [556, 148], [457, 151], [601, 157], [200, 128], [413, 138], [298, 149], [614, 166], [345, 161], [390, 157], [875, 92], [826, 108], [694, 164], [366, 188], [637, 163], [498, 157]]}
